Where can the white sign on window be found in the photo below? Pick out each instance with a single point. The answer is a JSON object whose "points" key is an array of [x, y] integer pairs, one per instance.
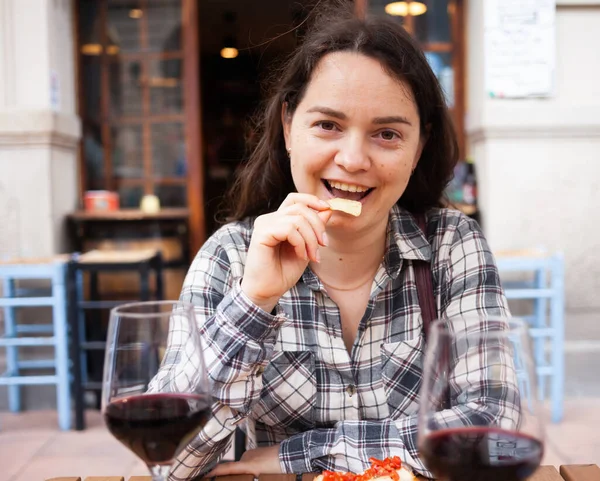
{"points": [[520, 51]]}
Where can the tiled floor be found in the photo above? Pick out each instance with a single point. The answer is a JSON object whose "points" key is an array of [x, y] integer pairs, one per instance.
{"points": [[32, 448]]}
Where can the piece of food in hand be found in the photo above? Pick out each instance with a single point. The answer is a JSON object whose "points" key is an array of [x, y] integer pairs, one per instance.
{"points": [[351, 207], [389, 469]]}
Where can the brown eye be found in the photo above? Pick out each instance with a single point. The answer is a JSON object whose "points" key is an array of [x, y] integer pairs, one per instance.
{"points": [[327, 125], [389, 135]]}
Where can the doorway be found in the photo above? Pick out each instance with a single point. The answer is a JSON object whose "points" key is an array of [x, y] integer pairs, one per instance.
{"points": [[240, 45]]}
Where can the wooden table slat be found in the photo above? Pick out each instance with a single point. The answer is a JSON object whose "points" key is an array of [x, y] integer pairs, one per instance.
{"points": [[276, 477], [140, 478], [105, 478], [232, 477], [66, 478], [580, 472], [545, 473], [309, 476]]}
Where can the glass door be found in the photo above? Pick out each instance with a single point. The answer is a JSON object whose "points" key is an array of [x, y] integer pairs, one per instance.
{"points": [[135, 102]]}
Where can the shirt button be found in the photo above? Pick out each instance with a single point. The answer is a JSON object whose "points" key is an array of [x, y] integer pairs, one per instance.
{"points": [[259, 371], [351, 390]]}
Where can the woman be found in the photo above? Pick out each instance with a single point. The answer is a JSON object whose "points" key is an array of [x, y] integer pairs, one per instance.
{"points": [[314, 334]]}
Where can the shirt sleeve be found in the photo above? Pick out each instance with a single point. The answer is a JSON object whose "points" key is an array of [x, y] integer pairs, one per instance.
{"points": [[471, 286], [237, 339]]}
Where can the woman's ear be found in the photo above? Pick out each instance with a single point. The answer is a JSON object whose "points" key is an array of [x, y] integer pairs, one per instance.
{"points": [[286, 122]]}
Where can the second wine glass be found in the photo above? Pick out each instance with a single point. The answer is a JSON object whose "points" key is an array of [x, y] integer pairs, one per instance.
{"points": [[479, 417], [155, 394]]}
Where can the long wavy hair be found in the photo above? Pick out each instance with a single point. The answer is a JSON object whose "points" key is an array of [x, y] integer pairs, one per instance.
{"points": [[263, 182]]}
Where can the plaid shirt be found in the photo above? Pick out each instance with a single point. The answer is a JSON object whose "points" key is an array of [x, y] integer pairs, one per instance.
{"points": [[287, 375]]}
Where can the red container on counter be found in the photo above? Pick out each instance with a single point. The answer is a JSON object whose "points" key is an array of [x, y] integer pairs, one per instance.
{"points": [[101, 200]]}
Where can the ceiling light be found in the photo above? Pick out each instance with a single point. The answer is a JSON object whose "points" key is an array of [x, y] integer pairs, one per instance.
{"points": [[96, 49], [402, 9], [91, 49], [135, 13], [416, 8], [229, 52], [229, 47]]}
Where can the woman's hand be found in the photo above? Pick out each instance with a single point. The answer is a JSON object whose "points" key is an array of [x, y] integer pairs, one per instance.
{"points": [[255, 461], [282, 244]]}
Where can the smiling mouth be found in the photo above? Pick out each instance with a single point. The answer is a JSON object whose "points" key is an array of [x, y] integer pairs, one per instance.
{"points": [[342, 193]]}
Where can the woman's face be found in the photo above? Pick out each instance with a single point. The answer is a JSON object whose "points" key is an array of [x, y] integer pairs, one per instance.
{"points": [[354, 135]]}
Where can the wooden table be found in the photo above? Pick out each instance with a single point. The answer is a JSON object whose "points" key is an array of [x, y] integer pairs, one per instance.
{"points": [[90, 227], [579, 472]]}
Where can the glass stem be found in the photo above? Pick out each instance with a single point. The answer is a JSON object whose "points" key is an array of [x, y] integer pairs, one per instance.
{"points": [[160, 472]]}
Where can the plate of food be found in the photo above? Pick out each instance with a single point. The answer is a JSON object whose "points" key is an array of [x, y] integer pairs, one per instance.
{"points": [[388, 469]]}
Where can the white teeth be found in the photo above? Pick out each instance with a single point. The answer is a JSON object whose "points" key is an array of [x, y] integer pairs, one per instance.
{"points": [[348, 187]]}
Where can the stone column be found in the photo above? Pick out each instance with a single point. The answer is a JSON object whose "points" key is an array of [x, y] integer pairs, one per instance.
{"points": [[39, 127]]}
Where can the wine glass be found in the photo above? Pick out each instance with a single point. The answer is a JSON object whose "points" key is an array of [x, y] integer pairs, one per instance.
{"points": [[155, 404], [479, 417]]}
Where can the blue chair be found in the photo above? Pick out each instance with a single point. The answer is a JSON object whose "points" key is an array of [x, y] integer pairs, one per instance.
{"points": [[53, 333], [547, 322]]}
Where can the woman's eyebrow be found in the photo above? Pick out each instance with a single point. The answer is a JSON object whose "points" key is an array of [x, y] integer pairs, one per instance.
{"points": [[327, 111], [391, 119]]}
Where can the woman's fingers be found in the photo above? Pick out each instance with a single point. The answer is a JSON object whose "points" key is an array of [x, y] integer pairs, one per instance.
{"points": [[301, 237], [317, 220], [278, 229], [297, 241], [294, 229], [325, 216], [299, 221], [308, 200], [309, 237]]}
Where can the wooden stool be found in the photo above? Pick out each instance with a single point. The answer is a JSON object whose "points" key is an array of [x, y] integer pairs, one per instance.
{"points": [[94, 262]]}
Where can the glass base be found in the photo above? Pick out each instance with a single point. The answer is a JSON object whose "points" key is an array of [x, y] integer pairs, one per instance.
{"points": [[160, 472]]}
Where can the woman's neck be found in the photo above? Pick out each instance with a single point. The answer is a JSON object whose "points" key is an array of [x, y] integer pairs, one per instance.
{"points": [[349, 262]]}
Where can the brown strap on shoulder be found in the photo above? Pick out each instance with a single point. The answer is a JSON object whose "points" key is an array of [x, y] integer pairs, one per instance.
{"points": [[423, 278]]}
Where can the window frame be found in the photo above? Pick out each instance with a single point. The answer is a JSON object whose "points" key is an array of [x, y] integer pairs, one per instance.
{"points": [[190, 116], [456, 46]]}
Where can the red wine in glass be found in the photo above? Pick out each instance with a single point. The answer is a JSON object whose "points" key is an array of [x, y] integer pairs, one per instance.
{"points": [[481, 454], [155, 393], [156, 426], [479, 417]]}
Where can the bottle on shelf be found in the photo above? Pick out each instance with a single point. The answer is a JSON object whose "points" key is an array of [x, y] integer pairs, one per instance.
{"points": [[469, 189]]}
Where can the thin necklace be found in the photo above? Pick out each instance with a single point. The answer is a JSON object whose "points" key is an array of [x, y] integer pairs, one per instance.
{"points": [[346, 289]]}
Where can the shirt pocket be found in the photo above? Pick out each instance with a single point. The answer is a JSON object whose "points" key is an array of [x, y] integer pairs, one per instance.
{"points": [[402, 374], [289, 391]]}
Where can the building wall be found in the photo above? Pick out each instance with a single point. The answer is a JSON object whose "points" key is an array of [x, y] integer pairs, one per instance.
{"points": [[537, 160], [39, 129]]}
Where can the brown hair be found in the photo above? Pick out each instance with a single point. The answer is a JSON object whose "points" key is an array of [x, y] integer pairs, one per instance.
{"points": [[265, 180]]}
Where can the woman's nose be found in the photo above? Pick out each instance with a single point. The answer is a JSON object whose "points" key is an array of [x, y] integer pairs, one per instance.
{"points": [[352, 155]]}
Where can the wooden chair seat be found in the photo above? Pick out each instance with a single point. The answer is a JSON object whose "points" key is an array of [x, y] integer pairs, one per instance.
{"points": [[116, 256]]}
